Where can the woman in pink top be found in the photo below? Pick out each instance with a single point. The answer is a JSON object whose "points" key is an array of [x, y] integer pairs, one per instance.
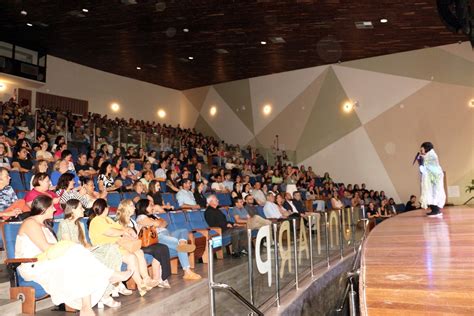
{"points": [[41, 184]]}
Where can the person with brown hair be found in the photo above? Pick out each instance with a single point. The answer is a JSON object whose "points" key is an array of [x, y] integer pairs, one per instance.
{"points": [[103, 230], [68, 272], [71, 228], [161, 266]]}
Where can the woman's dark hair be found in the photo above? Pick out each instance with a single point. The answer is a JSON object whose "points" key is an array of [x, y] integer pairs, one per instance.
{"points": [[151, 187], [115, 160], [71, 205], [39, 177], [58, 139], [427, 146], [98, 208], [141, 206], [103, 167], [168, 174], [39, 206], [65, 153], [63, 181]]}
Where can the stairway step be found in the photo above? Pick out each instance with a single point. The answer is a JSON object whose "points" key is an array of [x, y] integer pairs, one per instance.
{"points": [[10, 307]]}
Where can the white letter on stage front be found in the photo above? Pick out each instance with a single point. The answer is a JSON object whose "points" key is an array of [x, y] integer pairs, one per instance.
{"points": [[264, 267]]}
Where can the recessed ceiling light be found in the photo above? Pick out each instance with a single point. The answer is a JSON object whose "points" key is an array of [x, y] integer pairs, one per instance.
{"points": [[263, 43], [221, 51], [190, 57], [383, 20], [277, 40], [29, 24], [185, 30], [85, 10], [364, 25], [139, 68], [23, 12]]}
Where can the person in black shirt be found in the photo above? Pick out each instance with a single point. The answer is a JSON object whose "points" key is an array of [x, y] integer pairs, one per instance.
{"points": [[21, 161], [412, 204], [199, 195], [215, 218]]}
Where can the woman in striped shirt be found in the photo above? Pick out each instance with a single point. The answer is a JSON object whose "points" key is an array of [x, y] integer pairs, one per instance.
{"points": [[66, 191]]}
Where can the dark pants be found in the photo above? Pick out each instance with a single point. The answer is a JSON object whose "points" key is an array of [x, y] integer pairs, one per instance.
{"points": [[161, 253], [239, 238]]}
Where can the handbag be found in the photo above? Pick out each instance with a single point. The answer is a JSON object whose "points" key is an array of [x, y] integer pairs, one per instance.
{"points": [[131, 245], [148, 236]]}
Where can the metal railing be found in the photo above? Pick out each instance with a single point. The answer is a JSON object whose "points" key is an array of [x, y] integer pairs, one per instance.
{"points": [[292, 259], [222, 286], [351, 275]]}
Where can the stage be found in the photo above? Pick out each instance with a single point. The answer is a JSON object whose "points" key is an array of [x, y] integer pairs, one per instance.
{"points": [[416, 265]]}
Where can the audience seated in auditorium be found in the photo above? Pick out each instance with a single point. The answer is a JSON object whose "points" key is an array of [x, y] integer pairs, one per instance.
{"points": [[84, 279], [215, 218], [10, 205], [177, 240], [161, 268]]}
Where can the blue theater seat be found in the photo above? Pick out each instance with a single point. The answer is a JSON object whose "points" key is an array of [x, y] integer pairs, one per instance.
{"points": [[16, 182], [9, 234], [224, 199], [113, 199]]}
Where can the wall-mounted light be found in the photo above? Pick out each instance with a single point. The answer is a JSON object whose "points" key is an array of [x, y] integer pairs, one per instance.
{"points": [[213, 111], [267, 109], [3, 86], [471, 103], [115, 107], [161, 113], [348, 107]]}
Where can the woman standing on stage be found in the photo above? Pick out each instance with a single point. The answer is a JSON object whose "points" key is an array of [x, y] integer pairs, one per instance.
{"points": [[432, 180]]}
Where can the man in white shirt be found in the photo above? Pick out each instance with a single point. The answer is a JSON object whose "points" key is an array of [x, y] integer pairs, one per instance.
{"points": [[271, 209], [218, 186], [185, 197], [258, 194], [160, 173]]}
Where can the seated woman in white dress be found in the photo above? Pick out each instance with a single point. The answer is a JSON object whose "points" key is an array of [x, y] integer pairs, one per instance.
{"points": [[68, 272]]}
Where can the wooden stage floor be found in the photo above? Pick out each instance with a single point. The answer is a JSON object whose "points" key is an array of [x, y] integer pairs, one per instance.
{"points": [[415, 265]]}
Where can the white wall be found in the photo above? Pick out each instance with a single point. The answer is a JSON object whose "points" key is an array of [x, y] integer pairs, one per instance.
{"points": [[137, 99]]}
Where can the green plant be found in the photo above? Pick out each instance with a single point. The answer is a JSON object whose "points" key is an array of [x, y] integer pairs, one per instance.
{"points": [[470, 188]]}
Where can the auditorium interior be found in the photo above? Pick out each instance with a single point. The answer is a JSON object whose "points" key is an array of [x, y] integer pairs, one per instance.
{"points": [[257, 157]]}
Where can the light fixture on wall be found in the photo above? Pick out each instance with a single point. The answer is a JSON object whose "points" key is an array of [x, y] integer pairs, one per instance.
{"points": [[348, 107], [3, 86], [115, 106], [471, 103], [267, 109], [161, 113], [213, 111]]}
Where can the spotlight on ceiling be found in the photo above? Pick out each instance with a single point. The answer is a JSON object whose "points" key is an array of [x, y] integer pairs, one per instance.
{"points": [[267, 109], [348, 107], [139, 68], [263, 43], [115, 107], [213, 111], [383, 20], [190, 57], [185, 30], [85, 10], [29, 24], [23, 12]]}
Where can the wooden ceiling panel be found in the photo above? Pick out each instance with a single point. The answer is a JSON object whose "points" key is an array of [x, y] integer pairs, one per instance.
{"points": [[117, 38]]}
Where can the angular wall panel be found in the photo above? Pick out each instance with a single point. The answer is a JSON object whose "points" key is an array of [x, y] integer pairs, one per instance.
{"points": [[196, 96], [289, 124], [353, 159], [327, 122], [278, 90], [237, 96], [432, 64], [224, 122], [374, 91]]}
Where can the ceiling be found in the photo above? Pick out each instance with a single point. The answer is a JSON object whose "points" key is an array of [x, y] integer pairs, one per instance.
{"points": [[117, 37]]}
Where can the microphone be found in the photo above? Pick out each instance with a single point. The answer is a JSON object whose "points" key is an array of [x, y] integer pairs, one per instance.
{"points": [[418, 158]]}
